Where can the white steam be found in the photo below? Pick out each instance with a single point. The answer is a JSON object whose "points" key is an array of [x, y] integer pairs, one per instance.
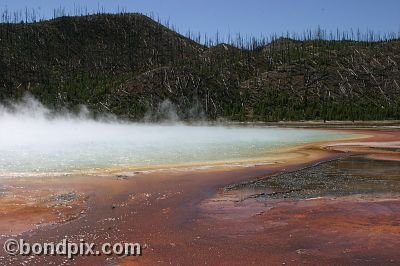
{"points": [[35, 140]]}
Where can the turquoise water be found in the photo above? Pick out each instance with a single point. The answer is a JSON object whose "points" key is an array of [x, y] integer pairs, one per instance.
{"points": [[38, 145]]}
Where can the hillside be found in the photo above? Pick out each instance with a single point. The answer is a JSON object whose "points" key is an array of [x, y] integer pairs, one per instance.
{"points": [[130, 65]]}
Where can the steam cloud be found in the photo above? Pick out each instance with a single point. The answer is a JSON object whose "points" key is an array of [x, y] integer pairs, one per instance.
{"points": [[35, 139]]}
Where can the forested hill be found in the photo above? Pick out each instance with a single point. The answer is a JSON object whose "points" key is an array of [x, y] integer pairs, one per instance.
{"points": [[130, 65]]}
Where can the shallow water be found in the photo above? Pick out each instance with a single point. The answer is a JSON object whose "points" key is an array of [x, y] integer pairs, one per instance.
{"points": [[354, 175], [31, 146]]}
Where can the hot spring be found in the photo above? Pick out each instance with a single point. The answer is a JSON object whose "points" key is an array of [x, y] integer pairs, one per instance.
{"points": [[32, 143]]}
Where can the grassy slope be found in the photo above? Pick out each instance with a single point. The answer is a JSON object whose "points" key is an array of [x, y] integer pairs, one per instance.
{"points": [[129, 64]]}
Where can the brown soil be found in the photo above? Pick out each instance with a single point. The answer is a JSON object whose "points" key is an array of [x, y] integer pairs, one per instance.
{"points": [[182, 218]]}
